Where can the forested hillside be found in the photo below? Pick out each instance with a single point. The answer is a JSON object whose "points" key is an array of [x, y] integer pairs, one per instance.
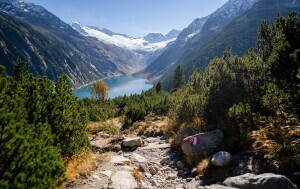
{"points": [[253, 99]]}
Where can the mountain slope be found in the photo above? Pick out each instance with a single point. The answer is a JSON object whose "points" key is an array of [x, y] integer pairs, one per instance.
{"points": [[200, 48], [201, 27], [91, 59]]}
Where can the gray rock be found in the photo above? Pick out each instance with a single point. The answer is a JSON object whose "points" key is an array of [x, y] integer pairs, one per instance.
{"points": [[143, 167], [122, 180], [106, 173], [154, 183], [103, 134], [153, 170], [165, 160], [132, 142], [266, 181], [217, 186], [120, 160], [148, 175], [221, 159], [171, 176], [202, 144], [194, 171], [96, 177], [180, 165], [138, 158], [183, 134]]}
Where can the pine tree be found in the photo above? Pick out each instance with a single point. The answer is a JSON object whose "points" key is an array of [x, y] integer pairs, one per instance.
{"points": [[68, 120], [178, 78], [27, 157]]}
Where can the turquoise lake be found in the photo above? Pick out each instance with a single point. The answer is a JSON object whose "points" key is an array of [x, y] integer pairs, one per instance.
{"points": [[118, 86]]}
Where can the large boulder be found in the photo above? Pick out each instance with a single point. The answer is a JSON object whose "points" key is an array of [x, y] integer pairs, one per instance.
{"points": [[183, 134], [202, 144], [122, 180], [132, 142], [221, 159], [266, 181]]}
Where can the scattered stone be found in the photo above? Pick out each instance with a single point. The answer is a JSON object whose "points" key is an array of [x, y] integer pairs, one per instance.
{"points": [[151, 139], [120, 160], [127, 155], [143, 167], [194, 171], [103, 134], [123, 180], [154, 183], [127, 168], [171, 176], [180, 165], [221, 159], [153, 170], [165, 160], [106, 173], [267, 180], [132, 142], [148, 175], [156, 146], [217, 186], [116, 148], [96, 177], [202, 144], [138, 158], [166, 169], [184, 172], [189, 179]]}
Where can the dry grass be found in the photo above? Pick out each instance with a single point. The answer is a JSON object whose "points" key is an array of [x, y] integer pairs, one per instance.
{"points": [[83, 164], [202, 166], [110, 127], [137, 175]]}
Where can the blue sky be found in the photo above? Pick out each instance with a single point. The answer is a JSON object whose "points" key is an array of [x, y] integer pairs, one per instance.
{"points": [[132, 17]]}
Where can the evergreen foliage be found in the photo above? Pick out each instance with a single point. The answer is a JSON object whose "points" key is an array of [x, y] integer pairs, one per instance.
{"points": [[254, 97], [178, 78], [39, 125]]}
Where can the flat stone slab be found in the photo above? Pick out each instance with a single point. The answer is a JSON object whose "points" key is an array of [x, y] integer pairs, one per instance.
{"points": [[157, 146], [138, 158], [120, 160], [123, 180], [106, 173]]}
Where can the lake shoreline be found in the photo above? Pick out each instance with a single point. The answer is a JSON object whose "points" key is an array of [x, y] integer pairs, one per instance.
{"points": [[119, 85]]}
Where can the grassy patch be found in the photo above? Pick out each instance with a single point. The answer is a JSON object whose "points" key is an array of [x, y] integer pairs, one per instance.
{"points": [[202, 166], [109, 126], [83, 164], [137, 176]]}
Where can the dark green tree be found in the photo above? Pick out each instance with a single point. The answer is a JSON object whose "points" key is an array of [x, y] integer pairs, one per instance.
{"points": [[159, 87], [68, 120], [178, 78], [28, 158]]}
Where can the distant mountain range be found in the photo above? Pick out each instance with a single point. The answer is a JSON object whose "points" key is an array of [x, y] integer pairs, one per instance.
{"points": [[57, 48], [149, 43], [88, 53], [235, 24]]}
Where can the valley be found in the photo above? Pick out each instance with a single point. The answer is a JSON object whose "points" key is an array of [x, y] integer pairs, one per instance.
{"points": [[212, 104]]}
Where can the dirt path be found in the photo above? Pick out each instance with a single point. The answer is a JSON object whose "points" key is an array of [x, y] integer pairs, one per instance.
{"points": [[159, 166]]}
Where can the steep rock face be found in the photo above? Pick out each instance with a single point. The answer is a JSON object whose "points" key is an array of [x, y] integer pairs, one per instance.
{"points": [[233, 24], [84, 60]]}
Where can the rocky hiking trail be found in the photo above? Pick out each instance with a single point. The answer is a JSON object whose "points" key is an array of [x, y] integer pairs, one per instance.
{"points": [[158, 165], [151, 163]]}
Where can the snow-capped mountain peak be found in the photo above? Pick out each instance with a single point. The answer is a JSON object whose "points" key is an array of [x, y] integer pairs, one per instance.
{"points": [[150, 43]]}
